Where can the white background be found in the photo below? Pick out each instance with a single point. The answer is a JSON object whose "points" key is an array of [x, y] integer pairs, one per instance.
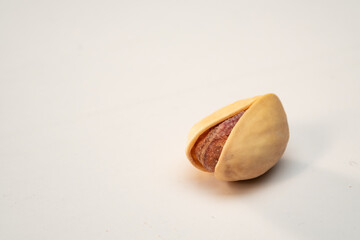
{"points": [[97, 98]]}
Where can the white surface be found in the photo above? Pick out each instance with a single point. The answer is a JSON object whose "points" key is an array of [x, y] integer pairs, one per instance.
{"points": [[97, 98]]}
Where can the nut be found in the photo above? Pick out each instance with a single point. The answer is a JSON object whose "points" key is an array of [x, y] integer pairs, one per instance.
{"points": [[240, 141]]}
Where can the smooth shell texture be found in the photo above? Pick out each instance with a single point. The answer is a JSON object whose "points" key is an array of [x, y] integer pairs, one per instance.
{"points": [[256, 142]]}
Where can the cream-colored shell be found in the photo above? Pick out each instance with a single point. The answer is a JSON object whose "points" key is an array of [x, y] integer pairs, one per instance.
{"points": [[255, 144]]}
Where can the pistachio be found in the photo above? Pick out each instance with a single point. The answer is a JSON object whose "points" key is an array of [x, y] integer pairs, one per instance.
{"points": [[240, 141]]}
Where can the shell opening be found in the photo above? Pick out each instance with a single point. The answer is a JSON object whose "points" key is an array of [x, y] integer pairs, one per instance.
{"points": [[209, 145]]}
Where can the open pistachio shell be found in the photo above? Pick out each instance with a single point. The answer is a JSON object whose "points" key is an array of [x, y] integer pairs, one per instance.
{"points": [[256, 142]]}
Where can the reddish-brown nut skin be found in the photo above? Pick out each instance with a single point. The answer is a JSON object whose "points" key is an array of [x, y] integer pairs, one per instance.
{"points": [[208, 147]]}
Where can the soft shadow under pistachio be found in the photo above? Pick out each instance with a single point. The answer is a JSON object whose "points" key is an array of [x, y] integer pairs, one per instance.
{"points": [[283, 170], [306, 145]]}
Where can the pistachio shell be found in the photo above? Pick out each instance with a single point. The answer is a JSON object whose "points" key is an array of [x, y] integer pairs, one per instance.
{"points": [[254, 145]]}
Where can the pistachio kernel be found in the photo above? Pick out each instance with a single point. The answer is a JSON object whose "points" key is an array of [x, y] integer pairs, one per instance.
{"points": [[208, 147]]}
